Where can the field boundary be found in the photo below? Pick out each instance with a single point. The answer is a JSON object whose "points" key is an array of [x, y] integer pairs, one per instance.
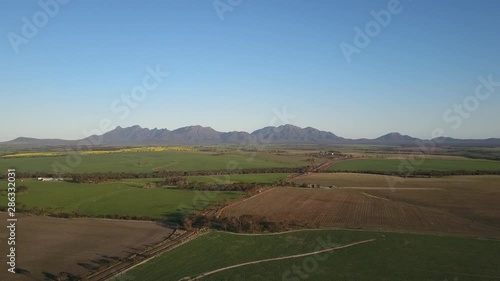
{"points": [[131, 262], [219, 212]]}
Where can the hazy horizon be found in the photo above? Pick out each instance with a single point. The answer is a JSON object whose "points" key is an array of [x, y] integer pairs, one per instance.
{"points": [[89, 133], [252, 65]]}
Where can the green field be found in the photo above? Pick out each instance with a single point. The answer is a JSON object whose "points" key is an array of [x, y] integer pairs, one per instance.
{"points": [[152, 161], [240, 178], [395, 165], [122, 198], [392, 257]]}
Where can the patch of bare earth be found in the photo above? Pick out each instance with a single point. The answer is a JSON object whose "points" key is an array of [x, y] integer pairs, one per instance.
{"points": [[352, 209], [46, 247]]}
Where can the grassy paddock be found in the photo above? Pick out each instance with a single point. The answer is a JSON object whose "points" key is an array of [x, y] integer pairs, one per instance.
{"points": [[152, 161], [121, 198], [393, 256]]}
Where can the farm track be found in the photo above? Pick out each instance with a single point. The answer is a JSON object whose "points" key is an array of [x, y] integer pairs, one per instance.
{"points": [[134, 260], [316, 169], [274, 259], [323, 167]]}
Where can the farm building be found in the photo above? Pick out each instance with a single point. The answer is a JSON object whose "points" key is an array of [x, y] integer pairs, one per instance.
{"points": [[50, 179]]}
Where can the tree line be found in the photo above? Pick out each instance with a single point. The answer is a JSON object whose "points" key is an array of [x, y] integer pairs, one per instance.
{"points": [[243, 224], [156, 174]]}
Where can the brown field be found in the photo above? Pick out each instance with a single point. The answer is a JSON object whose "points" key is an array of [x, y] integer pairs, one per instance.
{"points": [[472, 197], [480, 204], [353, 209], [47, 246], [367, 180]]}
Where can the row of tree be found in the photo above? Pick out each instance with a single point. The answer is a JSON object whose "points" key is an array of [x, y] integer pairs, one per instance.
{"points": [[61, 214], [219, 187], [156, 174], [243, 224]]}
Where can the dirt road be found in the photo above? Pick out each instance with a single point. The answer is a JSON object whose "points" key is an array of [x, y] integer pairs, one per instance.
{"points": [[131, 262]]}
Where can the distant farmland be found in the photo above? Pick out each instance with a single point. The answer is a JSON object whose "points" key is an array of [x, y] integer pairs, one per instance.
{"points": [[123, 199], [153, 161], [397, 165], [392, 256]]}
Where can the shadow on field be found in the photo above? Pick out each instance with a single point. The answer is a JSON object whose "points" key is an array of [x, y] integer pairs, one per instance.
{"points": [[25, 273], [175, 217], [49, 276], [169, 224], [87, 266], [111, 258], [22, 271], [102, 262]]}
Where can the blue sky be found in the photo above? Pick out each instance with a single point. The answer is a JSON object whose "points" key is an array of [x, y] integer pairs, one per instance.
{"points": [[235, 73]]}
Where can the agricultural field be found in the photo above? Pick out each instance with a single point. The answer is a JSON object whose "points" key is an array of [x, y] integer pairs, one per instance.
{"points": [[268, 178], [475, 203], [391, 256], [472, 197], [118, 198], [433, 209], [395, 165], [352, 209], [103, 151], [151, 161], [76, 246]]}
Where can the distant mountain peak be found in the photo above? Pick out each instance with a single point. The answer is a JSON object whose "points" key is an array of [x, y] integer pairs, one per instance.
{"points": [[396, 138], [200, 135]]}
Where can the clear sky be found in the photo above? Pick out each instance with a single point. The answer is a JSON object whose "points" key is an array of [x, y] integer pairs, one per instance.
{"points": [[234, 64]]}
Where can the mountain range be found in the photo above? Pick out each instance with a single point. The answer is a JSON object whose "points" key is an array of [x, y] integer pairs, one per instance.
{"points": [[198, 135]]}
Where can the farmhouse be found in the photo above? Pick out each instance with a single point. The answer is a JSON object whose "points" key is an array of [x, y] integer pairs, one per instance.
{"points": [[50, 179]]}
